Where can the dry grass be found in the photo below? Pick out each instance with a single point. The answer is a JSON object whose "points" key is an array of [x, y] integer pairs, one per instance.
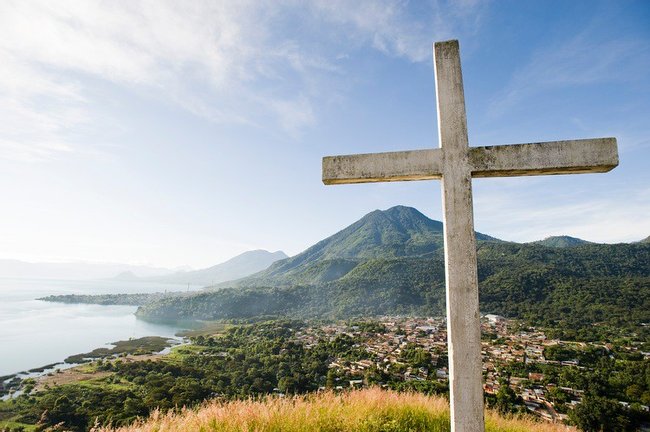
{"points": [[371, 410]]}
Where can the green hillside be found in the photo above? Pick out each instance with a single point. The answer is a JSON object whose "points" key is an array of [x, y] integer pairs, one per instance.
{"points": [[392, 262], [394, 233]]}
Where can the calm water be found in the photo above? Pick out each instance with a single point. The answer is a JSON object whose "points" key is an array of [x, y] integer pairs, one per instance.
{"points": [[34, 333]]}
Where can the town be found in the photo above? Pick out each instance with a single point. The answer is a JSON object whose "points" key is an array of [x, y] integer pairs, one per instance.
{"points": [[414, 350]]}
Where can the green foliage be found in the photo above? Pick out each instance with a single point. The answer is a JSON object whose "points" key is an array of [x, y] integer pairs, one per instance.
{"points": [[369, 326], [506, 399], [584, 356], [606, 382], [598, 413], [416, 356]]}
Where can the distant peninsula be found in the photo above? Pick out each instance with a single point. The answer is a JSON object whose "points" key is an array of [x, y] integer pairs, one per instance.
{"points": [[111, 299]]}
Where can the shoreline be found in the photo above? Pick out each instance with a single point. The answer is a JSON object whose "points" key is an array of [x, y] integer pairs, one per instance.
{"points": [[37, 333], [144, 348]]}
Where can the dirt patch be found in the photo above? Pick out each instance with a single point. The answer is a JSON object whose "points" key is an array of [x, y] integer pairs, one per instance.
{"points": [[83, 372], [68, 376]]}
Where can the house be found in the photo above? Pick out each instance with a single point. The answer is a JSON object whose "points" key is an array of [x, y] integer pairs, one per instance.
{"points": [[495, 319]]}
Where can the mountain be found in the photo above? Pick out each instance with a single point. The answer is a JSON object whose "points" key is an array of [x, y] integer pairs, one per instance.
{"points": [[238, 267], [74, 270], [394, 233], [392, 262], [645, 240], [562, 242], [235, 268], [128, 276]]}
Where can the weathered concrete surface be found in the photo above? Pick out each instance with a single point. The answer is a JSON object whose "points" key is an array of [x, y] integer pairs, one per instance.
{"points": [[383, 167], [555, 157], [456, 163], [463, 320], [545, 158]]}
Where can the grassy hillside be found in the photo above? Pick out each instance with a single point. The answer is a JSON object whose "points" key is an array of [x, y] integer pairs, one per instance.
{"points": [[364, 410]]}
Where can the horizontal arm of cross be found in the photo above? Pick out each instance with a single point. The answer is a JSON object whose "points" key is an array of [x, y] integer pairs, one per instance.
{"points": [[383, 167], [555, 157], [547, 158]]}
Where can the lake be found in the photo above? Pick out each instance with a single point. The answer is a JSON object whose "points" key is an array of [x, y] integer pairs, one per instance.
{"points": [[35, 333]]}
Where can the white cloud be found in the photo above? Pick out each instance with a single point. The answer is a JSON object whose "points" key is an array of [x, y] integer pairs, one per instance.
{"points": [[37, 108], [52, 52], [49, 50], [394, 29]]}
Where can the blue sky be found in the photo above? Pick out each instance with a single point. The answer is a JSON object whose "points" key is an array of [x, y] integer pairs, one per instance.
{"points": [[183, 133]]}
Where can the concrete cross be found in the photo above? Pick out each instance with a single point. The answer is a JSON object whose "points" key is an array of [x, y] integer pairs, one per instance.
{"points": [[455, 163]]}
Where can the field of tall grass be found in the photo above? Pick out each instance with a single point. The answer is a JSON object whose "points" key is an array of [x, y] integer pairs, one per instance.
{"points": [[371, 410]]}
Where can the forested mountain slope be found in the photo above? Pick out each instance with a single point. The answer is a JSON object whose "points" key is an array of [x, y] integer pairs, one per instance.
{"points": [[397, 267], [394, 233]]}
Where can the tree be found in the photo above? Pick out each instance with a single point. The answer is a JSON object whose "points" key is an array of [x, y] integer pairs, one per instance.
{"points": [[330, 381], [287, 384], [598, 414], [506, 399]]}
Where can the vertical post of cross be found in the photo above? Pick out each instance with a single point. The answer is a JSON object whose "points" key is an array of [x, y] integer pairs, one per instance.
{"points": [[463, 320]]}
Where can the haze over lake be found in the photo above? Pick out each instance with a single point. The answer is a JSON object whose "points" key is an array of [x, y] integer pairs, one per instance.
{"points": [[34, 333]]}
